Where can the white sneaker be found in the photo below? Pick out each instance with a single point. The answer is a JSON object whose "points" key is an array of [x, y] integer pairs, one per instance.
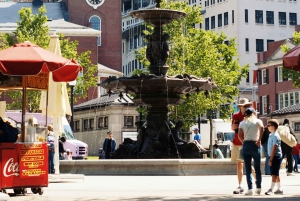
{"points": [[249, 193], [269, 192], [290, 174], [239, 190], [278, 192], [258, 191]]}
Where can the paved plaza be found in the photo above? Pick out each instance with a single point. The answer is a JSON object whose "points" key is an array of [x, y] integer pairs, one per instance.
{"points": [[136, 188]]}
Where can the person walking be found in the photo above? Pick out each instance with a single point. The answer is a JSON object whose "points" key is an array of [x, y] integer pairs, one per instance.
{"points": [[236, 143], [109, 145], [264, 143], [250, 134], [197, 136], [287, 151], [296, 152], [51, 149], [275, 156]]}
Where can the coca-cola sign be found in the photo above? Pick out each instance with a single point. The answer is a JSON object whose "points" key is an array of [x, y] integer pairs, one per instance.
{"points": [[11, 168]]}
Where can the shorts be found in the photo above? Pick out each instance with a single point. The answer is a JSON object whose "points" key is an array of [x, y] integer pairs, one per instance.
{"points": [[275, 167], [235, 153]]}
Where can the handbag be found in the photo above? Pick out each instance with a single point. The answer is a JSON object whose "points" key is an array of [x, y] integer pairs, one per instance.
{"points": [[286, 136]]}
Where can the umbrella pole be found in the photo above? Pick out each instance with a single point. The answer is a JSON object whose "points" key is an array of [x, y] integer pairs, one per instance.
{"points": [[47, 94], [23, 108]]}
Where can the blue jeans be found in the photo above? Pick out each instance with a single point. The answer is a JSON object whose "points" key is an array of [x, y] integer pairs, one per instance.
{"points": [[296, 158], [51, 162], [251, 151], [267, 167]]}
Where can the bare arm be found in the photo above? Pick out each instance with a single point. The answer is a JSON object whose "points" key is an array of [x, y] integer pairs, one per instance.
{"points": [[261, 131], [240, 135]]}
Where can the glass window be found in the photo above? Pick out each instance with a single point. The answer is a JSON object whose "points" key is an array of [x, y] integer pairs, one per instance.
{"points": [[246, 15], [259, 45], [77, 125], [297, 126], [293, 18], [232, 16], [248, 78], [213, 22], [280, 75], [128, 120], [247, 44], [206, 23], [270, 17], [297, 93], [291, 98], [281, 103], [105, 122], [100, 122], [226, 18], [91, 123], [96, 24], [219, 20], [282, 18], [286, 99], [264, 76], [85, 124], [265, 104], [259, 16]]}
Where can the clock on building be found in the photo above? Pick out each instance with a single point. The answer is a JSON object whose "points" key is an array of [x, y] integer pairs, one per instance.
{"points": [[95, 3]]}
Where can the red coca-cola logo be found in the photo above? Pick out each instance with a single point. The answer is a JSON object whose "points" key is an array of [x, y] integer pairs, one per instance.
{"points": [[11, 168]]}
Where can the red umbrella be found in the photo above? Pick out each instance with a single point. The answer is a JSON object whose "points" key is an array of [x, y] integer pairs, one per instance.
{"points": [[291, 59], [25, 59]]}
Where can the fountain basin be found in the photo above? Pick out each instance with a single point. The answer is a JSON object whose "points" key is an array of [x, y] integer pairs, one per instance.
{"points": [[157, 16], [162, 90]]}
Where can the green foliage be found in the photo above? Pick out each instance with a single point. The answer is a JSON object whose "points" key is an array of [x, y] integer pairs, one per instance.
{"points": [[33, 28], [203, 54], [69, 50], [287, 73], [5, 41]]}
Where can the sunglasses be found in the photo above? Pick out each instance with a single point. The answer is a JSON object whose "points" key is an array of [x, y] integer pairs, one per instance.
{"points": [[269, 125]]}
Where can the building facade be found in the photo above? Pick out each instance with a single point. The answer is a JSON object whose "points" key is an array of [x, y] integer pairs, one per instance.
{"points": [[278, 98], [94, 118]]}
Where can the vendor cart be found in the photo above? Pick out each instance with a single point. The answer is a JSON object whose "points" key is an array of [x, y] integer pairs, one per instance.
{"points": [[24, 165], [25, 66]]}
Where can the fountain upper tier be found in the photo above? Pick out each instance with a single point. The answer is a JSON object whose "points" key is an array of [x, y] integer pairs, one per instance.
{"points": [[157, 17], [158, 90]]}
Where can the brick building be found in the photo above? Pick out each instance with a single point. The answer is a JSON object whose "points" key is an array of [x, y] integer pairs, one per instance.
{"points": [[97, 28], [275, 93]]}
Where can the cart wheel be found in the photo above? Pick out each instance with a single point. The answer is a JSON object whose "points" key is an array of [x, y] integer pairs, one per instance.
{"points": [[34, 190], [24, 191], [17, 191], [41, 191], [3, 191]]}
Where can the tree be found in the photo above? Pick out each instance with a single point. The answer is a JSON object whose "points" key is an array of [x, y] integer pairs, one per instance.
{"points": [[33, 28], [288, 73], [203, 54]]}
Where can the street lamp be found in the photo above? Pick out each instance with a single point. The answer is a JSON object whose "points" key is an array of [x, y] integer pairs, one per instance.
{"points": [[72, 84]]}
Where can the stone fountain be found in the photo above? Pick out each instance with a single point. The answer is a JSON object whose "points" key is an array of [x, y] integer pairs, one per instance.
{"points": [[157, 91]]}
